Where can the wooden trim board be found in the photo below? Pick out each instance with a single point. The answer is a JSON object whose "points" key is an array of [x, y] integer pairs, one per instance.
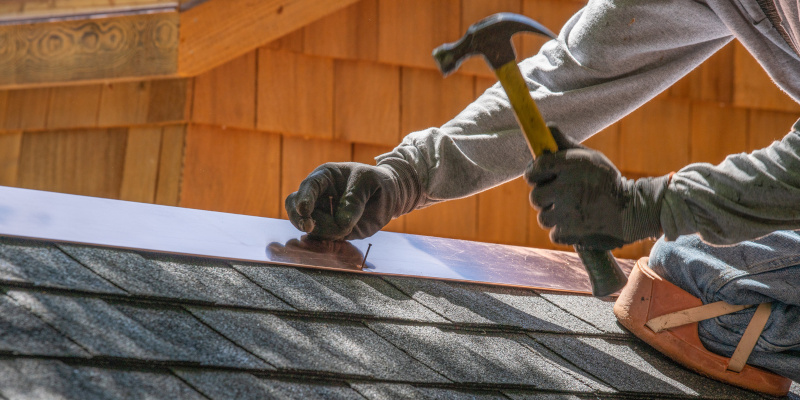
{"points": [[121, 224]]}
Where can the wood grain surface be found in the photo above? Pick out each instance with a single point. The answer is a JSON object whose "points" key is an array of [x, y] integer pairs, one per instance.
{"points": [[10, 145], [409, 30], [84, 162], [366, 102], [170, 165], [226, 95], [232, 170], [295, 94], [140, 171], [66, 51], [16, 10], [351, 33], [717, 130], [216, 32]]}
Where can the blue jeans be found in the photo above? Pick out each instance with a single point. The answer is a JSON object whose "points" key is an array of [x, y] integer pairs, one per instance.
{"points": [[751, 272]]}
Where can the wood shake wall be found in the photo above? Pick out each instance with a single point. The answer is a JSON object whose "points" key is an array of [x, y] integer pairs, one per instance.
{"points": [[347, 88]]}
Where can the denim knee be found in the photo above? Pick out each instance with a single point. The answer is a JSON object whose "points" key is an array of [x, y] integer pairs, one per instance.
{"points": [[673, 260]]}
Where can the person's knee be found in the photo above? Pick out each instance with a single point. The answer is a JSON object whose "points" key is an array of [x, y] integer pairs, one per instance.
{"points": [[668, 254], [679, 261]]}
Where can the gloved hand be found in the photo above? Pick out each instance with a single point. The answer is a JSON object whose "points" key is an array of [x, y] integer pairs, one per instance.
{"points": [[584, 200], [364, 199]]}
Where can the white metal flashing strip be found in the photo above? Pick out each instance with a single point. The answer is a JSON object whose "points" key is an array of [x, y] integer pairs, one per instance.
{"points": [[120, 224]]}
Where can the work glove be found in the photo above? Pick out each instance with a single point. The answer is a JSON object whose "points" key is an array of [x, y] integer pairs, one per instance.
{"points": [[345, 201], [584, 200]]}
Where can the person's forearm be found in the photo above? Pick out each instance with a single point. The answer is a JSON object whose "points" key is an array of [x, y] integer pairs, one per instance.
{"points": [[609, 59], [744, 197]]}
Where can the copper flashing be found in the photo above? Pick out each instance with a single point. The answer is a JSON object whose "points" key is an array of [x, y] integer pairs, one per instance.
{"points": [[138, 226]]}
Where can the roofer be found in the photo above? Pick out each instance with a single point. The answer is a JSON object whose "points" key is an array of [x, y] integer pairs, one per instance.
{"points": [[609, 59]]}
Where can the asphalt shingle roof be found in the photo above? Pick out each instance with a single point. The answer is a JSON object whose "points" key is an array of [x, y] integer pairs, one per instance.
{"points": [[85, 322]]}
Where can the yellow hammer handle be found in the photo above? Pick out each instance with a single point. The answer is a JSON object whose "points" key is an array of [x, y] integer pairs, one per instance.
{"points": [[533, 126]]}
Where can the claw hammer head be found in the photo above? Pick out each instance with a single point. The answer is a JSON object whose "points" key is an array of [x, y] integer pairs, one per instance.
{"points": [[489, 37]]}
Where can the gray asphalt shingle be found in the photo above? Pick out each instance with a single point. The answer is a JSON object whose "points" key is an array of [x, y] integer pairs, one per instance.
{"points": [[597, 312], [261, 331], [136, 332], [45, 265], [517, 395], [631, 366], [482, 304], [244, 386], [334, 347], [53, 380], [330, 292], [475, 358], [388, 391], [24, 333], [175, 277]]}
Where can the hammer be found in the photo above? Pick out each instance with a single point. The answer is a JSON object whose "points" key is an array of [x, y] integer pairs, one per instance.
{"points": [[491, 38]]}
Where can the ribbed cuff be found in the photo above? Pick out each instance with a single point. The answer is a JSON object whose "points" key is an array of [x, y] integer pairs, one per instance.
{"points": [[642, 216], [408, 182]]}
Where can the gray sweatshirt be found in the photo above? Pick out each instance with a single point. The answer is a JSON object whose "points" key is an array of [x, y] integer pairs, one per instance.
{"points": [[609, 59]]}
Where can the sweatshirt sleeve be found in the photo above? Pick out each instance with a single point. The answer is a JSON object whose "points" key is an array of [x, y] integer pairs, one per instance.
{"points": [[610, 58], [744, 197]]}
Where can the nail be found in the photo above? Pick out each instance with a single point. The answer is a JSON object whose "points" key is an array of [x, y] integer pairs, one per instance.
{"points": [[364, 262], [330, 201]]}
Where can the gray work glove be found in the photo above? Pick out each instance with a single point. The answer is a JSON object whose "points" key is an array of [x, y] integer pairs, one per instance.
{"points": [[364, 199], [584, 200]]}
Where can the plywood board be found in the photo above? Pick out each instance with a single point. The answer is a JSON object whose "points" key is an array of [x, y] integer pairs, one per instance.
{"points": [[717, 131], [105, 48], [154, 228], [410, 29], [232, 170], [170, 165], [302, 156], [429, 100], [654, 139], [295, 94], [366, 102], [140, 171], [73, 107], [216, 32], [764, 127], [351, 33], [85, 162], [10, 144], [226, 95]]}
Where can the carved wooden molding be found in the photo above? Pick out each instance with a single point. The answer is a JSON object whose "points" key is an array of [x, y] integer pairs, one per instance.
{"points": [[129, 47], [147, 45]]}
